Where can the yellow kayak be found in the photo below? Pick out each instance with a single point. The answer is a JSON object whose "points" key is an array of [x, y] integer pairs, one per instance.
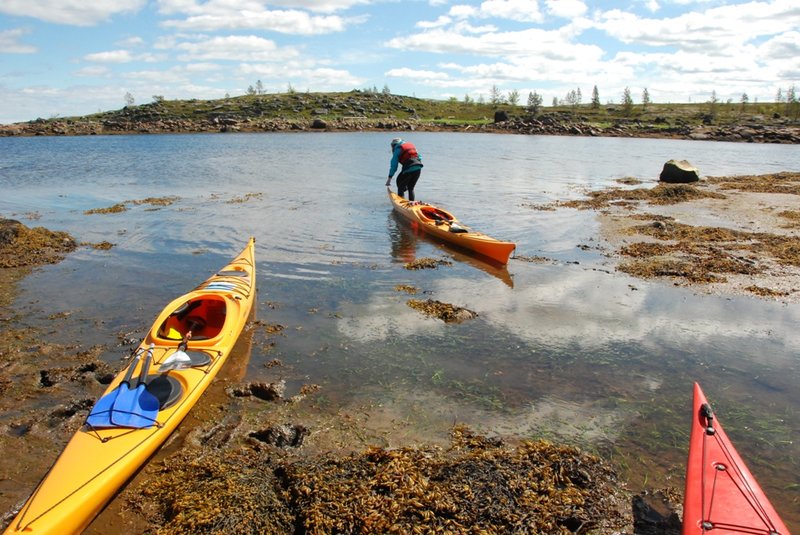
{"points": [[180, 356], [444, 225]]}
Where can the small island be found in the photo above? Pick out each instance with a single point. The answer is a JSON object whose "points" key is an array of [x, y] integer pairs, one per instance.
{"points": [[361, 110]]}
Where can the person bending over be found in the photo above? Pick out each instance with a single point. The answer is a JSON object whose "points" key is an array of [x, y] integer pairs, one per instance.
{"points": [[405, 154]]}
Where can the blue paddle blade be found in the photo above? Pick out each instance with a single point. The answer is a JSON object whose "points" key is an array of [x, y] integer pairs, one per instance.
{"points": [[136, 408], [100, 415]]}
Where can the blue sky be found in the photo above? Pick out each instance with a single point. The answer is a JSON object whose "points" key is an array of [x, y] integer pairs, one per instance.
{"points": [[72, 57]]}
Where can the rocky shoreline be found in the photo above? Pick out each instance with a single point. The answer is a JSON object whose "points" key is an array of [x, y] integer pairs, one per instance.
{"points": [[557, 124]]}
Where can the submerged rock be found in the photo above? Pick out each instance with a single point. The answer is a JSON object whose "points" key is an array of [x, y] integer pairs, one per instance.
{"points": [[444, 311]]}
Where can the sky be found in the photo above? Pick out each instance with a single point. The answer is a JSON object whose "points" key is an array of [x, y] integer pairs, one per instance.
{"points": [[61, 58]]}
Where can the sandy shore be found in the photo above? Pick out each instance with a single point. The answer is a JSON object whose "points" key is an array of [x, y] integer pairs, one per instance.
{"points": [[722, 235]]}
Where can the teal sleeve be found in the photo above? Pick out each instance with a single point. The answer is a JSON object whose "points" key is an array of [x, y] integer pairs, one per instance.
{"points": [[394, 162]]}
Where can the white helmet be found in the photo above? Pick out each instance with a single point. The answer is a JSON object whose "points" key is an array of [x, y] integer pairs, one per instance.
{"points": [[396, 141]]}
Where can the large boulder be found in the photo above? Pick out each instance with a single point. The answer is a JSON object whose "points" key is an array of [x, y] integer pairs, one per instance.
{"points": [[679, 172], [500, 116]]}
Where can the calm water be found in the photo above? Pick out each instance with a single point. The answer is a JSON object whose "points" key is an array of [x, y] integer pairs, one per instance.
{"points": [[568, 350]]}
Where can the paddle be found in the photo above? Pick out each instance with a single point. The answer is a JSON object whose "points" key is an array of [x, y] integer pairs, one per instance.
{"points": [[136, 408], [100, 415]]}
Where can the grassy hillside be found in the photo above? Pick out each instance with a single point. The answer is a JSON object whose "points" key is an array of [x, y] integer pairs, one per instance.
{"points": [[360, 104], [366, 110]]}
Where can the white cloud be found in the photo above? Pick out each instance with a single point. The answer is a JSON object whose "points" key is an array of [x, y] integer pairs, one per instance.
{"points": [[9, 42], [130, 42], [462, 11], [202, 67], [405, 72], [301, 76], [716, 29], [112, 56], [234, 48], [72, 12], [94, 71], [566, 8], [290, 22], [321, 6], [783, 47], [438, 23], [122, 56], [518, 10], [217, 15], [525, 43], [193, 7]]}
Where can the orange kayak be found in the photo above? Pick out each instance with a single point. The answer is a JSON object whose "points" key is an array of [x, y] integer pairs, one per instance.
{"points": [[444, 225], [721, 495], [175, 363]]}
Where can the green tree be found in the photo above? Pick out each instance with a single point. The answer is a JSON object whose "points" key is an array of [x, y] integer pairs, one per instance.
{"points": [[259, 88], [555, 102], [158, 99], [744, 100], [495, 97], [713, 104], [129, 100], [573, 99], [386, 90], [792, 105], [595, 99], [251, 90], [645, 99], [627, 101], [467, 99], [534, 103], [513, 97]]}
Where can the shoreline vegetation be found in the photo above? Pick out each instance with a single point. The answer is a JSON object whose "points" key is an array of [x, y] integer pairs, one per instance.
{"points": [[373, 111]]}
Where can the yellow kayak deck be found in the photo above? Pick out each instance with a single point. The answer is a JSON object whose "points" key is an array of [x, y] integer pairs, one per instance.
{"points": [[102, 456]]}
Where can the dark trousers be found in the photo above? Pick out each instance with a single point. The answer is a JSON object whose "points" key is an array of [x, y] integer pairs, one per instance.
{"points": [[407, 181]]}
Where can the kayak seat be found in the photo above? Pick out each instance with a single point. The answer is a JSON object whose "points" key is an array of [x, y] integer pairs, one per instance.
{"points": [[167, 390]]}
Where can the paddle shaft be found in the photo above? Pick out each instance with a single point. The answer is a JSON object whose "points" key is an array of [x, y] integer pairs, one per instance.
{"points": [[128, 374]]}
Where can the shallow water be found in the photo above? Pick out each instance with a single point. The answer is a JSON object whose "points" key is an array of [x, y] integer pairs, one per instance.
{"points": [[566, 349]]}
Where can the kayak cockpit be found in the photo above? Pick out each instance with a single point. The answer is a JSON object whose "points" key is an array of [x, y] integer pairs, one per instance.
{"points": [[203, 317], [441, 217]]}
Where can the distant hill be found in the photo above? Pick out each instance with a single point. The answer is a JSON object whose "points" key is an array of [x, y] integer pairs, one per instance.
{"points": [[365, 110]]}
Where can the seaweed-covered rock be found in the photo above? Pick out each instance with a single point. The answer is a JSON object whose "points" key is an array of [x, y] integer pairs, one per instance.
{"points": [[22, 246], [477, 485]]}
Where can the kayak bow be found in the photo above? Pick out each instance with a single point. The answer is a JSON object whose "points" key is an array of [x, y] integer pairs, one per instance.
{"points": [[721, 496], [127, 425]]}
